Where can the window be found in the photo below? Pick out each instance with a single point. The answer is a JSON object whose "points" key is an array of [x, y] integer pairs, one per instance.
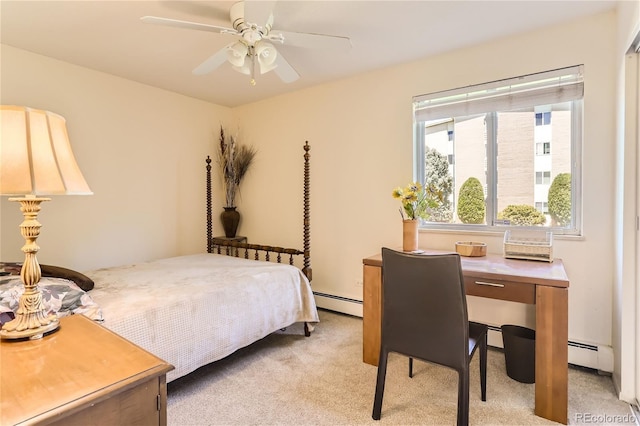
{"points": [[542, 207], [543, 118], [543, 178], [487, 150], [543, 148]]}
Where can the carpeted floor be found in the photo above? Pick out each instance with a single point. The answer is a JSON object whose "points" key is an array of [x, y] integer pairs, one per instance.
{"points": [[287, 379]]}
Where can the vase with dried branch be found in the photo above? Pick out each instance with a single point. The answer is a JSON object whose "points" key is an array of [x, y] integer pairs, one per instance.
{"points": [[234, 161]]}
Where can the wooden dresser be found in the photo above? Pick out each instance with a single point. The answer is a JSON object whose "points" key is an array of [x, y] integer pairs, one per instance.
{"points": [[82, 374]]}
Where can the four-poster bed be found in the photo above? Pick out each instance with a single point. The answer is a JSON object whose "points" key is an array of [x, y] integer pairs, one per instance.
{"points": [[195, 309]]}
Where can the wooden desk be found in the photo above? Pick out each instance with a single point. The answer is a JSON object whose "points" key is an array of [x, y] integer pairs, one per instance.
{"points": [[82, 374], [540, 283]]}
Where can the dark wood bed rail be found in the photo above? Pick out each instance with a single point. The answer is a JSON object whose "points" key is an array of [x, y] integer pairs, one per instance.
{"points": [[258, 251], [238, 249]]}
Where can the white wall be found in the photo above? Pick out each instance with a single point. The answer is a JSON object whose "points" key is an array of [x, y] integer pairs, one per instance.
{"points": [[142, 152], [360, 130]]}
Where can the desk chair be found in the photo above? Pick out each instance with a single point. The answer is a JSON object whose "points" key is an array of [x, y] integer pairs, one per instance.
{"points": [[424, 316]]}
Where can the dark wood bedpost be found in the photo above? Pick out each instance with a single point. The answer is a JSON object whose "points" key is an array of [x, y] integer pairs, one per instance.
{"points": [[307, 219], [233, 248], [307, 224], [209, 218]]}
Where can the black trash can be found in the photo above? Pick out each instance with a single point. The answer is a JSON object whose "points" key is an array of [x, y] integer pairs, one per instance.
{"points": [[520, 352]]}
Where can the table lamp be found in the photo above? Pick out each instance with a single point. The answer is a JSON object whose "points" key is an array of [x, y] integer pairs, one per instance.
{"points": [[35, 160]]}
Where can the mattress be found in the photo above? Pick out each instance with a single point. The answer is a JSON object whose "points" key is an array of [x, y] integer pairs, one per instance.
{"points": [[193, 310]]}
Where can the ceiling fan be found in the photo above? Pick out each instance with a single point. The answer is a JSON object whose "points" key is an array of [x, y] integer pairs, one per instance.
{"points": [[254, 43]]}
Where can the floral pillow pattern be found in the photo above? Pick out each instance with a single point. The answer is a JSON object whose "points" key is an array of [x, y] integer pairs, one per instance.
{"points": [[60, 296]]}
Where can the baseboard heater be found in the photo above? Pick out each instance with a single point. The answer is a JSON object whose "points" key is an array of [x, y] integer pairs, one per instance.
{"points": [[338, 303], [598, 357]]}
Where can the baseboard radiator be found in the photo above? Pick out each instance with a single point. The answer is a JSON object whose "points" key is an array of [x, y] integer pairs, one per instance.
{"points": [[597, 357], [338, 303]]}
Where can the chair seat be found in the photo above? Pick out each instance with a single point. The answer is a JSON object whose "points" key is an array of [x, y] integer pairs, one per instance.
{"points": [[477, 333]]}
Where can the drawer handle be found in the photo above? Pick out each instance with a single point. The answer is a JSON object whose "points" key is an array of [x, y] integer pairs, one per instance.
{"points": [[489, 284]]}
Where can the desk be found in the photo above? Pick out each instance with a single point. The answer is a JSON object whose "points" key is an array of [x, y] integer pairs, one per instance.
{"points": [[540, 283]]}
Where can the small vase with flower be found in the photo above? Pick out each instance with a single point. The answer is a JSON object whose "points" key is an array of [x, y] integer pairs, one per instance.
{"points": [[417, 201]]}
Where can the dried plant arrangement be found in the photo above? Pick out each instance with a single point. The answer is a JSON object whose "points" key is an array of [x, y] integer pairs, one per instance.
{"points": [[234, 160]]}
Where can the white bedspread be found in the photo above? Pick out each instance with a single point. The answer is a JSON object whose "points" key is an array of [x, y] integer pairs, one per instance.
{"points": [[193, 310]]}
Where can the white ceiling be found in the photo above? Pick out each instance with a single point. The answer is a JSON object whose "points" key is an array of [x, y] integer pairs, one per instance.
{"points": [[108, 36]]}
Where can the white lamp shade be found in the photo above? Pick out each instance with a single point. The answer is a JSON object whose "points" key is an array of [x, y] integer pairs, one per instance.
{"points": [[266, 54], [35, 154], [243, 69], [237, 53]]}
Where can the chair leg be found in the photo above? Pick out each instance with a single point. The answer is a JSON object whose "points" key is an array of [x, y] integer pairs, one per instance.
{"points": [[483, 368], [382, 372], [463, 397], [410, 367]]}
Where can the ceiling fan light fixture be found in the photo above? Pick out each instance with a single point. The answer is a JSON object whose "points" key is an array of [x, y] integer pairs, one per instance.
{"points": [[266, 68], [237, 53], [266, 54], [244, 69], [254, 42]]}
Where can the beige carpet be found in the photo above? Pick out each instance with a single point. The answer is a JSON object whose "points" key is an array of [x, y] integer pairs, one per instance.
{"points": [[287, 379]]}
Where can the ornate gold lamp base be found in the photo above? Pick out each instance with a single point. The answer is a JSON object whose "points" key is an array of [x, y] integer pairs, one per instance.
{"points": [[31, 319], [31, 333]]}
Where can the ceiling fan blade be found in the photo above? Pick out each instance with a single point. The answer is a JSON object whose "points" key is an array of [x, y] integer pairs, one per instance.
{"points": [[311, 40], [187, 24], [209, 10], [259, 12], [212, 63], [284, 70]]}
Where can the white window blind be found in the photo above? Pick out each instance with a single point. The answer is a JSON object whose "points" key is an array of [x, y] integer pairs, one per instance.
{"points": [[550, 87]]}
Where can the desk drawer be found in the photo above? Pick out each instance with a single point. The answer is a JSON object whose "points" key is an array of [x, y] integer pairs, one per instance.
{"points": [[498, 289]]}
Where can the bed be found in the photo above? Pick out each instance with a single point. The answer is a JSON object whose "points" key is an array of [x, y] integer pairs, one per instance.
{"points": [[195, 309]]}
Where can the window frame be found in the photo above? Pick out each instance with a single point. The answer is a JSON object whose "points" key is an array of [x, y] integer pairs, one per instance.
{"points": [[545, 148], [494, 225]]}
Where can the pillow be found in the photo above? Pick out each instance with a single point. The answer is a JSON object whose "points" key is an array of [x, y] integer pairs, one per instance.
{"points": [[59, 296], [81, 280]]}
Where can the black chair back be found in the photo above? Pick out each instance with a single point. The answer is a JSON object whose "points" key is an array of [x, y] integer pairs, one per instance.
{"points": [[424, 314]]}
